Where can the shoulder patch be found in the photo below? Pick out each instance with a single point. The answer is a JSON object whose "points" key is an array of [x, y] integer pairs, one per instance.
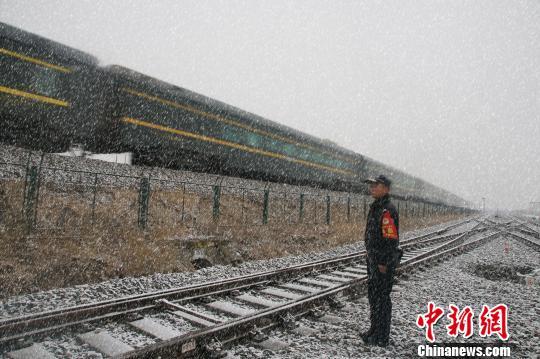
{"points": [[389, 229]]}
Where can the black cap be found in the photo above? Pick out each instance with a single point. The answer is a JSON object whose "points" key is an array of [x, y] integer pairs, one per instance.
{"points": [[379, 179]]}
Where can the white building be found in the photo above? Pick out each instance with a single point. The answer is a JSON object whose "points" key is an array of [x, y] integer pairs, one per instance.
{"points": [[77, 150]]}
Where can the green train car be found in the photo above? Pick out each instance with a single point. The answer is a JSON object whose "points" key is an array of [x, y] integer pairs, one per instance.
{"points": [[52, 96], [170, 126]]}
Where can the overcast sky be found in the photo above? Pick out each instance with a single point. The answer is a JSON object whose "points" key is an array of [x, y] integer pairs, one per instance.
{"points": [[445, 90]]}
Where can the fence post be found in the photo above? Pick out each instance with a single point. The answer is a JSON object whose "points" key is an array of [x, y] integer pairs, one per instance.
{"points": [[243, 204], [327, 210], [301, 214], [283, 215], [183, 200], [27, 168], [365, 208], [349, 208], [360, 219], [94, 199], [30, 193], [215, 209], [144, 196], [38, 186], [315, 217], [265, 207]]}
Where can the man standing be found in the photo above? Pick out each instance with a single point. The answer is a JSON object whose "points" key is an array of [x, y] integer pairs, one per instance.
{"points": [[381, 239]]}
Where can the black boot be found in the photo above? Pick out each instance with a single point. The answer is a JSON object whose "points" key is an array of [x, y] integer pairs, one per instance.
{"points": [[382, 342], [367, 334]]}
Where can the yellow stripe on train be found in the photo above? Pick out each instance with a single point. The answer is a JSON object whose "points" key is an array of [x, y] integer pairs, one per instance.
{"points": [[32, 96], [34, 60]]}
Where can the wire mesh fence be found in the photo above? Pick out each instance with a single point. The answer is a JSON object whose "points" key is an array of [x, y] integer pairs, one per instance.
{"points": [[41, 197]]}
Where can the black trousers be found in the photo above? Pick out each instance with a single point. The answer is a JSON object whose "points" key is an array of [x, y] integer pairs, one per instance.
{"points": [[379, 288]]}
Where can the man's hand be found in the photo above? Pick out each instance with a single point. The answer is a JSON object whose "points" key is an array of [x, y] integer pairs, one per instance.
{"points": [[382, 268]]}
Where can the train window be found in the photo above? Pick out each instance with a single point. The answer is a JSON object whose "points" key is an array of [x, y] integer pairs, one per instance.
{"points": [[254, 139], [263, 142], [304, 153], [339, 164], [232, 134], [45, 81], [289, 150]]}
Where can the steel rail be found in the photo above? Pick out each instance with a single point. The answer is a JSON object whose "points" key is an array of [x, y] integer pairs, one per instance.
{"points": [[529, 242], [535, 232]]}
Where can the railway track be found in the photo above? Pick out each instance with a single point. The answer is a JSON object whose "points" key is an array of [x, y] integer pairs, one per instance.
{"points": [[527, 235], [216, 313]]}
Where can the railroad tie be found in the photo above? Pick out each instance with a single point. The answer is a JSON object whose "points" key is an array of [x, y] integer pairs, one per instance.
{"points": [[194, 319], [31, 352], [356, 270], [105, 343], [281, 293], [333, 278], [155, 329], [300, 287], [320, 283], [348, 275], [231, 308], [263, 302]]}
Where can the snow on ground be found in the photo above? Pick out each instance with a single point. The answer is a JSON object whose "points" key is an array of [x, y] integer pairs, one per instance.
{"points": [[451, 282]]}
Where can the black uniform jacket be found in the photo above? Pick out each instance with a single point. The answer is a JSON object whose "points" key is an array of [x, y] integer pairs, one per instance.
{"points": [[382, 232]]}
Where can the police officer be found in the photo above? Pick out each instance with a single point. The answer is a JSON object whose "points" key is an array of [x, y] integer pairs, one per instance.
{"points": [[381, 239]]}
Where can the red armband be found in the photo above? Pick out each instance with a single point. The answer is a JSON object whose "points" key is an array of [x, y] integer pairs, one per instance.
{"points": [[389, 229]]}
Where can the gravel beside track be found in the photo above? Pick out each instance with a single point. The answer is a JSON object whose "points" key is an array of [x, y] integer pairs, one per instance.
{"points": [[451, 282]]}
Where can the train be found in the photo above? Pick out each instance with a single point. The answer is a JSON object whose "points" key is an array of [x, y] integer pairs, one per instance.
{"points": [[52, 95]]}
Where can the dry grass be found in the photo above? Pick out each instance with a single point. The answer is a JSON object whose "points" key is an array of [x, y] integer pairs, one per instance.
{"points": [[75, 244]]}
